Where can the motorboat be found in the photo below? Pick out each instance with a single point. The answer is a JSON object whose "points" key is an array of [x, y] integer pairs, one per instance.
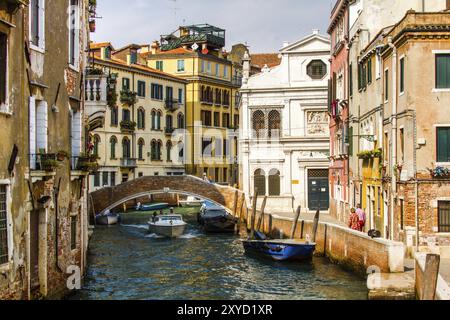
{"points": [[171, 226], [191, 202], [107, 219], [216, 219], [279, 249], [151, 207]]}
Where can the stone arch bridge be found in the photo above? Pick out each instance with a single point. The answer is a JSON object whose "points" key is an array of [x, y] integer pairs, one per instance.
{"points": [[112, 197]]}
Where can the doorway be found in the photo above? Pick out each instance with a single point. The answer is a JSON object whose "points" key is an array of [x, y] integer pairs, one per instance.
{"points": [[318, 190]]}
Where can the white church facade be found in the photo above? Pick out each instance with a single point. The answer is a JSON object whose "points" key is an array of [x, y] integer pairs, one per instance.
{"points": [[284, 138]]}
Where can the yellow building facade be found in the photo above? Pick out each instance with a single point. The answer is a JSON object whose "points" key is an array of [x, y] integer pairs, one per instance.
{"points": [[143, 132], [212, 114]]}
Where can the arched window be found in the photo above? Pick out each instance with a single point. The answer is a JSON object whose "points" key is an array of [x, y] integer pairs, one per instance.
{"points": [[153, 120], [113, 142], [274, 124], [141, 118], [96, 144], [218, 96], [114, 116], [274, 183], [141, 144], [259, 180], [159, 147], [258, 124], [158, 120], [153, 150], [169, 123], [180, 120], [126, 150], [169, 151]]}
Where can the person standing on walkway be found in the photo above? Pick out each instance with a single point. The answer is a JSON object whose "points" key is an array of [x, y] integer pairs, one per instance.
{"points": [[353, 222], [362, 217]]}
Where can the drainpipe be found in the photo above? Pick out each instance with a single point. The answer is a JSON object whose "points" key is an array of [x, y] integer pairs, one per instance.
{"points": [[393, 134]]}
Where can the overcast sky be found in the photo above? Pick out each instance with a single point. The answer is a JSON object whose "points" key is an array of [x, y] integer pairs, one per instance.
{"points": [[262, 24]]}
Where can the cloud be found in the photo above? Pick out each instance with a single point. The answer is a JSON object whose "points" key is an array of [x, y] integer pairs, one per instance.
{"points": [[262, 24]]}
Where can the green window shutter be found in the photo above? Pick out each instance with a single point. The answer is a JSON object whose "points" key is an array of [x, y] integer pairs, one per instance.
{"points": [[350, 73], [443, 145], [443, 71]]}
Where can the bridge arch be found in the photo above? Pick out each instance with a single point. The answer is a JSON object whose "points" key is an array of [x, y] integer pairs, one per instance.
{"points": [[111, 197]]}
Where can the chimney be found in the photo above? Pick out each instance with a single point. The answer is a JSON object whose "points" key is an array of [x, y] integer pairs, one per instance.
{"points": [[246, 67], [155, 47], [129, 59], [316, 31]]}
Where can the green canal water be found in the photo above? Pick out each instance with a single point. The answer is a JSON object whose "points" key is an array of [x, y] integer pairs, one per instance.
{"points": [[127, 263]]}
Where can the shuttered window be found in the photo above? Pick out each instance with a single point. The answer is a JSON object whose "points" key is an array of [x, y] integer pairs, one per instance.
{"points": [[386, 85], [3, 226], [443, 71], [141, 88], [73, 232], [444, 216], [3, 66], [443, 144], [402, 75]]}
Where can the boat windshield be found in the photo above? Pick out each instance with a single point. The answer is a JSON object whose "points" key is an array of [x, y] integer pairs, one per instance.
{"points": [[170, 218], [215, 213]]}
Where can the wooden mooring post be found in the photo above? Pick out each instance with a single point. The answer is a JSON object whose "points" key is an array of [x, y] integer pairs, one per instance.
{"points": [[295, 222], [261, 215], [315, 226], [253, 218], [430, 277]]}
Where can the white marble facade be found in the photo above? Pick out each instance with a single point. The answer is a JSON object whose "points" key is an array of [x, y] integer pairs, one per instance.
{"points": [[284, 138]]}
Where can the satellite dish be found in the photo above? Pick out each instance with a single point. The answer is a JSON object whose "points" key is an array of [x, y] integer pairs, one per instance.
{"points": [[195, 47]]}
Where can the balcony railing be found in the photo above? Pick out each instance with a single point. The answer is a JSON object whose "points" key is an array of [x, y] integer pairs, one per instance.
{"points": [[127, 126], [237, 81], [128, 163], [128, 97], [172, 105], [44, 162], [84, 163]]}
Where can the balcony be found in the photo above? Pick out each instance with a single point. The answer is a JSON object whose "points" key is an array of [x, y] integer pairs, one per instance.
{"points": [[44, 162], [169, 131], [96, 97], [84, 163], [172, 105], [127, 126], [128, 97], [237, 81], [128, 163]]}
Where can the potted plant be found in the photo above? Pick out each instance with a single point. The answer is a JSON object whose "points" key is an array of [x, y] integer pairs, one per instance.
{"points": [[440, 172], [62, 155], [49, 165]]}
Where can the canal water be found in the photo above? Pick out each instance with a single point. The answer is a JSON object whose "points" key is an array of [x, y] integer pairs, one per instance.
{"points": [[125, 262]]}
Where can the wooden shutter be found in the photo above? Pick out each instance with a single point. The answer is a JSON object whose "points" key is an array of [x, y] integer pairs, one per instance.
{"points": [[443, 145], [443, 71], [3, 66]]}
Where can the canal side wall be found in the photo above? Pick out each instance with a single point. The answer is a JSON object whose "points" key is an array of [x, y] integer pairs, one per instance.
{"points": [[353, 250]]}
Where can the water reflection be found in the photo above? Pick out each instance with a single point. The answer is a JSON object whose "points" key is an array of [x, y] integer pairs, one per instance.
{"points": [[125, 262]]}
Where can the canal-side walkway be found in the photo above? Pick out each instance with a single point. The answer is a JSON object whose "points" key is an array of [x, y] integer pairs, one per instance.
{"points": [[324, 217]]}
